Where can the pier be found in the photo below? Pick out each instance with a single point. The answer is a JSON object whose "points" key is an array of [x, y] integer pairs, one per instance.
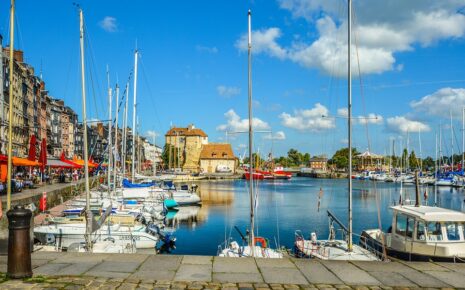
{"points": [[145, 271]]}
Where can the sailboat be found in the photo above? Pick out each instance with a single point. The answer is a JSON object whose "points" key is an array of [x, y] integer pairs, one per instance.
{"points": [[115, 237], [254, 246], [332, 248]]}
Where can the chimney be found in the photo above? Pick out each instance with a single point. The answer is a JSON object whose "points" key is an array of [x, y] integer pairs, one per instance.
{"points": [[18, 55]]}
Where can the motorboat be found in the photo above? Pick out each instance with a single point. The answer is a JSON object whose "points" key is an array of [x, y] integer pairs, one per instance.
{"points": [[420, 233]]}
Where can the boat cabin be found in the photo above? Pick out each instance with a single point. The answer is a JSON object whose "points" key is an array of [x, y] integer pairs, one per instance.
{"points": [[427, 230]]}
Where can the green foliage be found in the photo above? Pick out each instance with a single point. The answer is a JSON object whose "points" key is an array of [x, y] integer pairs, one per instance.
{"points": [[341, 158], [428, 163], [169, 150], [294, 158], [413, 161], [254, 157]]}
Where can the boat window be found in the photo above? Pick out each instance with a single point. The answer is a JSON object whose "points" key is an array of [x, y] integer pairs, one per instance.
{"points": [[434, 231], [421, 235], [410, 225], [401, 224], [453, 233]]}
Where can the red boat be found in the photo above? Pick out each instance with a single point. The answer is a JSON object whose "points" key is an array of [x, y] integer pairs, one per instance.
{"points": [[256, 176], [261, 174]]}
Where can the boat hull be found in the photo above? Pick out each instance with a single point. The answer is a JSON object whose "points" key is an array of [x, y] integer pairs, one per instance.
{"points": [[65, 236], [369, 242]]}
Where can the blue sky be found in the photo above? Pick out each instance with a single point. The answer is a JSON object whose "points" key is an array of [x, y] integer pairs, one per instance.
{"points": [[193, 67]]}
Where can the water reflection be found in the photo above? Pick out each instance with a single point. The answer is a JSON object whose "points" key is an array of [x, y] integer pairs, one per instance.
{"points": [[186, 215]]}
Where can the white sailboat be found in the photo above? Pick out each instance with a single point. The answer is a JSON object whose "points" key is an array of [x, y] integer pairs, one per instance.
{"points": [[92, 234], [255, 246], [332, 248]]}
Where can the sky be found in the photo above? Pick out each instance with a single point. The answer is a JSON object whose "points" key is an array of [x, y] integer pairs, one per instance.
{"points": [[407, 63]]}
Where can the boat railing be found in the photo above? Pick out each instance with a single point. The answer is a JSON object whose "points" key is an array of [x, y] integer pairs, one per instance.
{"points": [[369, 245]]}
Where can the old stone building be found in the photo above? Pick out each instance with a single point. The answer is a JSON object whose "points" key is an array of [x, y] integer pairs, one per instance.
{"points": [[217, 158], [25, 88], [54, 141], [188, 143]]}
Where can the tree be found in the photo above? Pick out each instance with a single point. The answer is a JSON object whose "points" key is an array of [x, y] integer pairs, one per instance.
{"points": [[306, 158], [254, 157], [404, 158], [295, 157], [341, 158], [413, 161], [428, 163], [165, 156]]}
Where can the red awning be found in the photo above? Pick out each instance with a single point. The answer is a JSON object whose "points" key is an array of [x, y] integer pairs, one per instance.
{"points": [[63, 159]]}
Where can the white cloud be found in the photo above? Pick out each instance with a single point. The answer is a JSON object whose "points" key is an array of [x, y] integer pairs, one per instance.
{"points": [[152, 134], [207, 49], [280, 135], [309, 119], [226, 91], [343, 112], [344, 141], [383, 29], [242, 146], [236, 124], [401, 124], [263, 41], [441, 103], [370, 119], [109, 24]]}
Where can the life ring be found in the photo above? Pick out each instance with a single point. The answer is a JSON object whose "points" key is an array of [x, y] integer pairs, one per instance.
{"points": [[259, 241]]}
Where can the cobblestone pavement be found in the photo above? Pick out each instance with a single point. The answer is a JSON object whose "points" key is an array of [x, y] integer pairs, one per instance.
{"points": [[144, 271]]}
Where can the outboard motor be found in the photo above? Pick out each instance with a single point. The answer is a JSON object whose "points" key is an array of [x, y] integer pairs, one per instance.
{"points": [[313, 237], [194, 187]]}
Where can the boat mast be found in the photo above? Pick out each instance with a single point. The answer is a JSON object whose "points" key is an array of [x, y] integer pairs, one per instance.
{"points": [[133, 159], [10, 107], [110, 120], [116, 136], [349, 121], [452, 142], [436, 172], [125, 125], [84, 122], [252, 197], [463, 138], [440, 146]]}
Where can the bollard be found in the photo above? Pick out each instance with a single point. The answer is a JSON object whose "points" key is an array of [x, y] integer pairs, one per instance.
{"points": [[43, 202], [19, 246]]}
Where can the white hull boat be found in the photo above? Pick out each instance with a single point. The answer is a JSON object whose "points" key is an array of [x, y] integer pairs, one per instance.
{"points": [[236, 251], [66, 234]]}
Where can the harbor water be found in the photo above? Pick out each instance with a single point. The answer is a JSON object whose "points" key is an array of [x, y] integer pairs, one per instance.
{"points": [[285, 206]]}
